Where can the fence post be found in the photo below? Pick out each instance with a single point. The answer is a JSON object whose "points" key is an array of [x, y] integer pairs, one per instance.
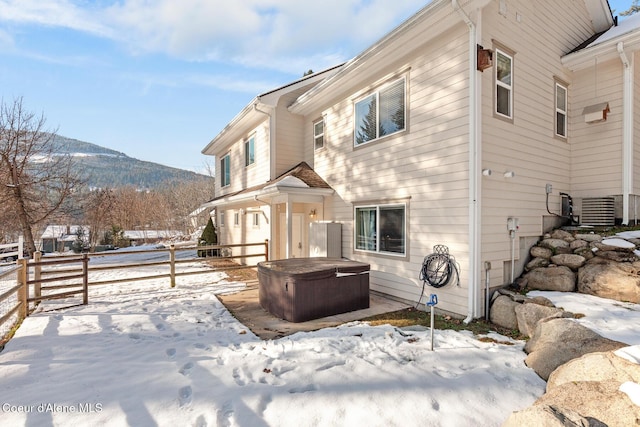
{"points": [[20, 247], [37, 274], [172, 265], [85, 279], [266, 250], [22, 291]]}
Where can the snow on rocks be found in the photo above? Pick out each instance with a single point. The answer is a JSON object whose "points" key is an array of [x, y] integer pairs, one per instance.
{"points": [[606, 267]]}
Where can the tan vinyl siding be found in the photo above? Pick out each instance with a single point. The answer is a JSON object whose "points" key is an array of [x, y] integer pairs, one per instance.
{"points": [[539, 33], [425, 166], [245, 231], [241, 175], [290, 133], [597, 148]]}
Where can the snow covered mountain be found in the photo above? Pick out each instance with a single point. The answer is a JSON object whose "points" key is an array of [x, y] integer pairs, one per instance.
{"points": [[106, 168]]}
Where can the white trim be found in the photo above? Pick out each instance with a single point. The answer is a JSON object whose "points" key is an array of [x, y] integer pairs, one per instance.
{"points": [[498, 82], [557, 110], [376, 93], [378, 250]]}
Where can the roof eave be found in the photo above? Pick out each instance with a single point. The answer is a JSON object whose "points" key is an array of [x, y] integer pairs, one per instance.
{"points": [[433, 17], [603, 51], [266, 194]]}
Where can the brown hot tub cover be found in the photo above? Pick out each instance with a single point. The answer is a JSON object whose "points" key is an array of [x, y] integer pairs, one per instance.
{"points": [[301, 289]]}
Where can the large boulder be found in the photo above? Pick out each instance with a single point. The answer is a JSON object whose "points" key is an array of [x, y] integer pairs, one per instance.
{"points": [[554, 278], [549, 416], [556, 341], [609, 279], [589, 237], [562, 235], [574, 262], [503, 312], [555, 245], [600, 400], [537, 262], [578, 244], [540, 252], [528, 315], [595, 367]]}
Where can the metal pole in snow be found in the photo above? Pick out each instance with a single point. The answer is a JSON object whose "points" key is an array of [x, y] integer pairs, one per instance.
{"points": [[433, 301]]}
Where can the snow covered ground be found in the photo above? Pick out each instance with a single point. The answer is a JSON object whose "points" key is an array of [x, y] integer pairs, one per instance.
{"points": [[143, 354]]}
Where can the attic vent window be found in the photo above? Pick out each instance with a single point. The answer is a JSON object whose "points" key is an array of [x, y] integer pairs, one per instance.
{"points": [[596, 113]]}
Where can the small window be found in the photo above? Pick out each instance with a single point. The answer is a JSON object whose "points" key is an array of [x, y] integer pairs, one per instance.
{"points": [[249, 151], [381, 113], [225, 172], [504, 84], [221, 219], [256, 220], [318, 134], [236, 219], [561, 110], [381, 229]]}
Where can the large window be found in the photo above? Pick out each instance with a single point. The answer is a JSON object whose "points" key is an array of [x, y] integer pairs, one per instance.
{"points": [[504, 84], [225, 171], [381, 229], [561, 110], [318, 134], [381, 113], [250, 151]]}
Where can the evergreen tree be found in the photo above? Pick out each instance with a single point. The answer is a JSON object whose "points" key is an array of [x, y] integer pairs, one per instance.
{"points": [[209, 237], [367, 130]]}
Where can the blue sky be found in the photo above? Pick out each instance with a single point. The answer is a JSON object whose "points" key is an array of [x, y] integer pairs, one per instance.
{"points": [[158, 79]]}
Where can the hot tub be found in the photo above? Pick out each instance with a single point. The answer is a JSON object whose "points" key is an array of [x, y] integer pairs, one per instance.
{"points": [[301, 289]]}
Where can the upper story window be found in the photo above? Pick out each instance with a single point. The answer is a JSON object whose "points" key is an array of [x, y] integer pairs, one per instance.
{"points": [[381, 229], [504, 84], [381, 113], [225, 171], [318, 134], [250, 151], [561, 110]]}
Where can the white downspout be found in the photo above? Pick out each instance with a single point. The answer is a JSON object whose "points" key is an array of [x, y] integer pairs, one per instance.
{"points": [[272, 153], [627, 132], [474, 161]]}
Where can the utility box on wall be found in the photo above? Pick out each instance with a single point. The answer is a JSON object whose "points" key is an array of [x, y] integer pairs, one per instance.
{"points": [[325, 239]]}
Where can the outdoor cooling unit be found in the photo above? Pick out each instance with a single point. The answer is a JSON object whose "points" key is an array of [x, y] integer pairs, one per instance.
{"points": [[598, 211]]}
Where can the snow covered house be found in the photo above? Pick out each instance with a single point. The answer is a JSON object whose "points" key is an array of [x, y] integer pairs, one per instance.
{"points": [[61, 238], [472, 125]]}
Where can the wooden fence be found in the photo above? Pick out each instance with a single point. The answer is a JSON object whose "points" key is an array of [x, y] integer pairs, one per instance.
{"points": [[57, 277]]}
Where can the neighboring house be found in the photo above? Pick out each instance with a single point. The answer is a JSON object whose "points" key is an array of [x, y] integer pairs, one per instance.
{"points": [[61, 238], [461, 127]]}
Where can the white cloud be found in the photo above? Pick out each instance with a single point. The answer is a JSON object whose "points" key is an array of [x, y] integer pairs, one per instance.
{"points": [[278, 34]]}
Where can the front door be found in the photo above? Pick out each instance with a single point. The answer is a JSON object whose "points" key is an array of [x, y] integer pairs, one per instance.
{"points": [[297, 236]]}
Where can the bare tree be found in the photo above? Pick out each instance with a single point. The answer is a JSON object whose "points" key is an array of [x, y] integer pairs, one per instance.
{"points": [[633, 9], [37, 182]]}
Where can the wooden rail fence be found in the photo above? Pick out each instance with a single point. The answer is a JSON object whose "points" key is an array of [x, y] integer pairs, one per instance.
{"points": [[51, 277]]}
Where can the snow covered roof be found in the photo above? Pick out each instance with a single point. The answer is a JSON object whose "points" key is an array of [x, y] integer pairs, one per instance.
{"points": [[626, 27], [60, 231], [151, 234]]}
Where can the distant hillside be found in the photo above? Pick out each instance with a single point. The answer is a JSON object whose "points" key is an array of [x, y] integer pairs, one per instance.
{"points": [[106, 168]]}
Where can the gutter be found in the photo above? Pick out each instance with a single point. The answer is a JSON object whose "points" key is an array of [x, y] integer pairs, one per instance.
{"points": [[627, 131], [474, 162]]}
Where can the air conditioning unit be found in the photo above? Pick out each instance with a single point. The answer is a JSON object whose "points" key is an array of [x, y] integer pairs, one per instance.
{"points": [[598, 211]]}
